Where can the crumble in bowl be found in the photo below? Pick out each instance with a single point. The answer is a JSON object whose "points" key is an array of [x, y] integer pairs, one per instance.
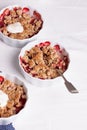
{"points": [[41, 61], [13, 97], [19, 23]]}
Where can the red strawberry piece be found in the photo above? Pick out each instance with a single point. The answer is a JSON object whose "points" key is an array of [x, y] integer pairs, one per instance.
{"points": [[32, 21], [34, 75], [47, 43], [25, 10], [1, 24], [1, 79], [22, 60], [61, 64], [27, 69], [41, 44], [6, 12], [1, 17], [57, 47], [37, 15], [1, 20], [16, 8]]}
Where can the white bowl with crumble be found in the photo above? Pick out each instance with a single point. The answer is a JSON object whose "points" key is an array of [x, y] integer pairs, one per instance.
{"points": [[13, 98], [40, 60], [19, 25]]}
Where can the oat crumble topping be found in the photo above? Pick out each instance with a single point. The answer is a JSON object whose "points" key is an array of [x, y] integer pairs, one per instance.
{"points": [[43, 60], [17, 97], [32, 24]]}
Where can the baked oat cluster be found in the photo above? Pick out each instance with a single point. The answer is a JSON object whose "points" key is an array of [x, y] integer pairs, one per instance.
{"points": [[16, 97], [30, 21], [43, 60]]}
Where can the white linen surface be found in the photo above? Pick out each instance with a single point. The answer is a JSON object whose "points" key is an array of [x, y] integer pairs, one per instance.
{"points": [[59, 3], [54, 108]]}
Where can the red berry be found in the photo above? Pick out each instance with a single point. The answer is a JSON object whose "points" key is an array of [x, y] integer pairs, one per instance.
{"points": [[1, 24], [25, 10], [22, 60], [47, 43], [34, 75], [32, 21], [1, 20], [1, 17], [27, 69], [6, 12], [16, 8], [1, 79], [36, 15], [41, 44], [57, 47]]}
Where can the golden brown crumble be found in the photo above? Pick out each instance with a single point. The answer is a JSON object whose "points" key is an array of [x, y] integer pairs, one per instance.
{"points": [[43, 61], [31, 23], [17, 97]]}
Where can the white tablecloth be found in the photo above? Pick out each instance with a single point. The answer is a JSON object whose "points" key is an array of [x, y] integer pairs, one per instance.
{"points": [[58, 3], [54, 108]]}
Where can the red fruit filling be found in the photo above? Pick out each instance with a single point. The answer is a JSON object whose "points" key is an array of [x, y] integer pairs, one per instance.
{"points": [[1, 79]]}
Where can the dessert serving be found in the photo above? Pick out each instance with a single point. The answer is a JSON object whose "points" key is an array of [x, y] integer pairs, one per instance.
{"points": [[19, 25], [44, 60], [20, 22], [40, 62], [13, 97]]}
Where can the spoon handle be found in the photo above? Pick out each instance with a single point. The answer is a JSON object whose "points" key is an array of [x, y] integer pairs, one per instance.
{"points": [[70, 87], [68, 84]]}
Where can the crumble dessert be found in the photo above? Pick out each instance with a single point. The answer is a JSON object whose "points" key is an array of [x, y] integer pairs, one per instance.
{"points": [[20, 23], [43, 60], [12, 97]]}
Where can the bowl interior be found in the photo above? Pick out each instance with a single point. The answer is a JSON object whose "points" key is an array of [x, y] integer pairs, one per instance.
{"points": [[18, 81], [9, 38], [34, 79]]}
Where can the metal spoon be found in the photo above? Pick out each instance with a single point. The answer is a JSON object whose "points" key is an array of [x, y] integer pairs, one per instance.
{"points": [[68, 85]]}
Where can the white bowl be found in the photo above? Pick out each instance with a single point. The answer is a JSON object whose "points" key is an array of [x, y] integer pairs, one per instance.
{"points": [[17, 80], [33, 80], [17, 42]]}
